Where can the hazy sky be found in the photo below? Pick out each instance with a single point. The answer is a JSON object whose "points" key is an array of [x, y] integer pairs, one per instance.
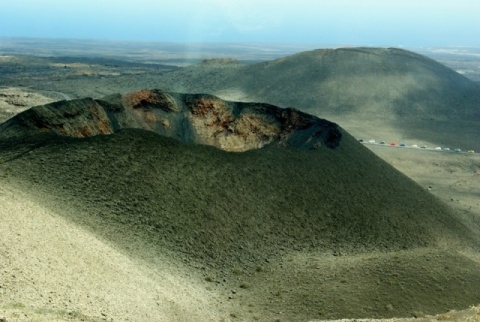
{"points": [[341, 22]]}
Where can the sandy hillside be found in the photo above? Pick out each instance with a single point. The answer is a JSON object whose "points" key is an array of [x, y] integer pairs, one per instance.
{"points": [[53, 270], [470, 315]]}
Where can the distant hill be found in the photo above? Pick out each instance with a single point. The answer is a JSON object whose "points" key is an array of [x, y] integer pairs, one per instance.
{"points": [[410, 92], [265, 223], [368, 82]]}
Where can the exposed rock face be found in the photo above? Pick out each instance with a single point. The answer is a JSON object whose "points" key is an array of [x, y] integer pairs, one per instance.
{"points": [[202, 119]]}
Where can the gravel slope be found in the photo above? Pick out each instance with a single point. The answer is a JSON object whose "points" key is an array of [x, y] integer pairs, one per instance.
{"points": [[261, 235], [51, 269]]}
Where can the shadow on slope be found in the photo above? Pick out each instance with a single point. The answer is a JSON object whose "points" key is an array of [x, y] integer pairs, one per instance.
{"points": [[53, 270]]}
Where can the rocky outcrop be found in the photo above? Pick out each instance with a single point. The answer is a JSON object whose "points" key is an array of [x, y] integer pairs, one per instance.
{"points": [[191, 118]]}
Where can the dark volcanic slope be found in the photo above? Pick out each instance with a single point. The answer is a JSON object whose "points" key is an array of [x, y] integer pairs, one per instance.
{"points": [[368, 82], [334, 194], [221, 211]]}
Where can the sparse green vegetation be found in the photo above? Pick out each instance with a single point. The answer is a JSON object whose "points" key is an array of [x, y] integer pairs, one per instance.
{"points": [[209, 279], [245, 285], [15, 305], [238, 271]]}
